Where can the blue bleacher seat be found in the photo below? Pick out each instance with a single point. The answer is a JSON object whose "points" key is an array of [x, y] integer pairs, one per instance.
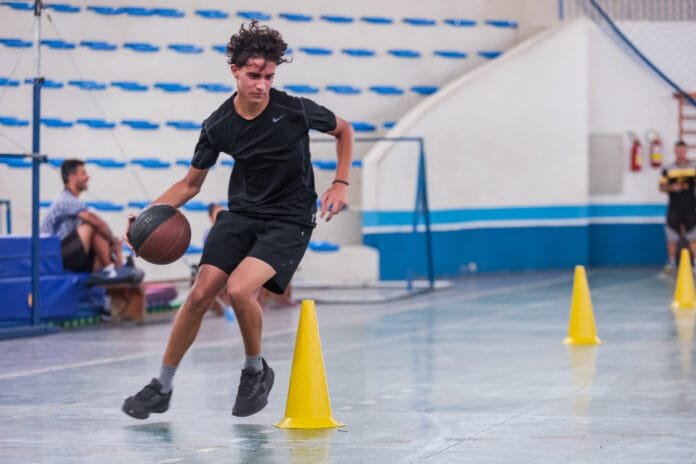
{"points": [[212, 14], [359, 52], [138, 11], [47, 83], [324, 164], [141, 47], [56, 122], [419, 21], [212, 87], [63, 7], [11, 121], [184, 125], [502, 23], [15, 162], [99, 45], [220, 48], [87, 85], [424, 89], [356, 163], [460, 22], [7, 82], [107, 163], [172, 87], [227, 162], [404, 53], [386, 90], [96, 123], [130, 86], [140, 124], [106, 10], [359, 126], [296, 17], [389, 124], [55, 162], [298, 88], [258, 15], [323, 246], [185, 48], [195, 205], [450, 54], [185, 162], [16, 43], [101, 205], [344, 89], [140, 204], [168, 13], [490, 54], [194, 250], [151, 163], [337, 19], [58, 44], [382, 20], [24, 6], [45, 203], [317, 51]]}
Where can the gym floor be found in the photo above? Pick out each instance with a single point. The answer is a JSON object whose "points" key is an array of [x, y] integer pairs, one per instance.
{"points": [[477, 373]]}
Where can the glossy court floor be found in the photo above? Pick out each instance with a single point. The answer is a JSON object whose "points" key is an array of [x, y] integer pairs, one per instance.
{"points": [[474, 374]]}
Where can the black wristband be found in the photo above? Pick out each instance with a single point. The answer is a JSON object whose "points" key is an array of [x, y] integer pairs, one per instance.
{"points": [[339, 181]]}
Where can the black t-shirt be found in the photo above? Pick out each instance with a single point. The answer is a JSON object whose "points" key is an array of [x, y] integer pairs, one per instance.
{"points": [[686, 176], [272, 176]]}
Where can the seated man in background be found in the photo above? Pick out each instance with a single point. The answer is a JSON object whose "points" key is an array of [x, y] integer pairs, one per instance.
{"points": [[678, 182], [87, 243]]}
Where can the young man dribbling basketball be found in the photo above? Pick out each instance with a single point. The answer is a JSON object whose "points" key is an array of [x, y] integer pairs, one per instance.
{"points": [[261, 239]]}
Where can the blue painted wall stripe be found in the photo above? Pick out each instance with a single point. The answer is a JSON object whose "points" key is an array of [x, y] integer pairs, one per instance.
{"points": [[403, 218]]}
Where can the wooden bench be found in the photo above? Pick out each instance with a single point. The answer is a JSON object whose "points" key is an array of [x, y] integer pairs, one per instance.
{"points": [[127, 301]]}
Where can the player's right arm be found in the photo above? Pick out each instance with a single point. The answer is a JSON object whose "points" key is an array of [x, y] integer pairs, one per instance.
{"points": [[183, 190]]}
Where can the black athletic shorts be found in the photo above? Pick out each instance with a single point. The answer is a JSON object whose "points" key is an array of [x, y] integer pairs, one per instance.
{"points": [[74, 256], [678, 217], [280, 244]]}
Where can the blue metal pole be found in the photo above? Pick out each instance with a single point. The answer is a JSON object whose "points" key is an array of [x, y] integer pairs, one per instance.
{"points": [[422, 179], [35, 176], [561, 13], [8, 217]]}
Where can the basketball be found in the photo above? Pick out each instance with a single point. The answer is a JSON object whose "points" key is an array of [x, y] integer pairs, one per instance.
{"points": [[160, 234]]}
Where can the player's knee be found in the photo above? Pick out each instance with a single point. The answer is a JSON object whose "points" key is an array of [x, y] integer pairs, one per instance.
{"points": [[199, 301], [238, 294]]}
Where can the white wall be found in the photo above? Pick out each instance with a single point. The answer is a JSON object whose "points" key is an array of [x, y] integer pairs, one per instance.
{"points": [[625, 96], [511, 133]]}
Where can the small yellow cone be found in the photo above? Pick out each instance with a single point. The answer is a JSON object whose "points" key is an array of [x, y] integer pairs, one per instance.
{"points": [[308, 405], [684, 296], [581, 328]]}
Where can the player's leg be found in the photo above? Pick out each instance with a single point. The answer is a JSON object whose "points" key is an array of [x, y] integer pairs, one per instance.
{"points": [[156, 395], [672, 227], [257, 378]]}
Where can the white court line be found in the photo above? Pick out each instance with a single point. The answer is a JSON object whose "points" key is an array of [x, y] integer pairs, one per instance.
{"points": [[415, 305]]}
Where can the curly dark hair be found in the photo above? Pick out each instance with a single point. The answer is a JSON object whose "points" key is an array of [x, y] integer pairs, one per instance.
{"points": [[256, 41]]}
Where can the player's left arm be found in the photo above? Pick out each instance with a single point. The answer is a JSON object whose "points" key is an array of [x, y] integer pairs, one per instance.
{"points": [[336, 197]]}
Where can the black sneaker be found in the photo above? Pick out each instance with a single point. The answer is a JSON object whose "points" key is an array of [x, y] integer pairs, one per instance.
{"points": [[149, 399], [254, 388]]}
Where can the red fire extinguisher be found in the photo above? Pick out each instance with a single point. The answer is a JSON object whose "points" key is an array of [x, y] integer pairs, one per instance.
{"points": [[654, 147], [636, 158]]}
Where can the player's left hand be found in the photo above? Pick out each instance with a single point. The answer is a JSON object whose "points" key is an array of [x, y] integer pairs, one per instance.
{"points": [[333, 200]]}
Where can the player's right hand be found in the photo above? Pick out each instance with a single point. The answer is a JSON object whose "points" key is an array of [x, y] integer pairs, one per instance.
{"points": [[131, 218]]}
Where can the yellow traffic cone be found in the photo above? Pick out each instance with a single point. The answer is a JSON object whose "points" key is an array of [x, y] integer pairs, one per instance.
{"points": [[684, 296], [581, 328], [308, 405]]}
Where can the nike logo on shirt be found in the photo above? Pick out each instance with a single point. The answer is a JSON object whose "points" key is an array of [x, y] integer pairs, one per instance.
{"points": [[275, 120]]}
